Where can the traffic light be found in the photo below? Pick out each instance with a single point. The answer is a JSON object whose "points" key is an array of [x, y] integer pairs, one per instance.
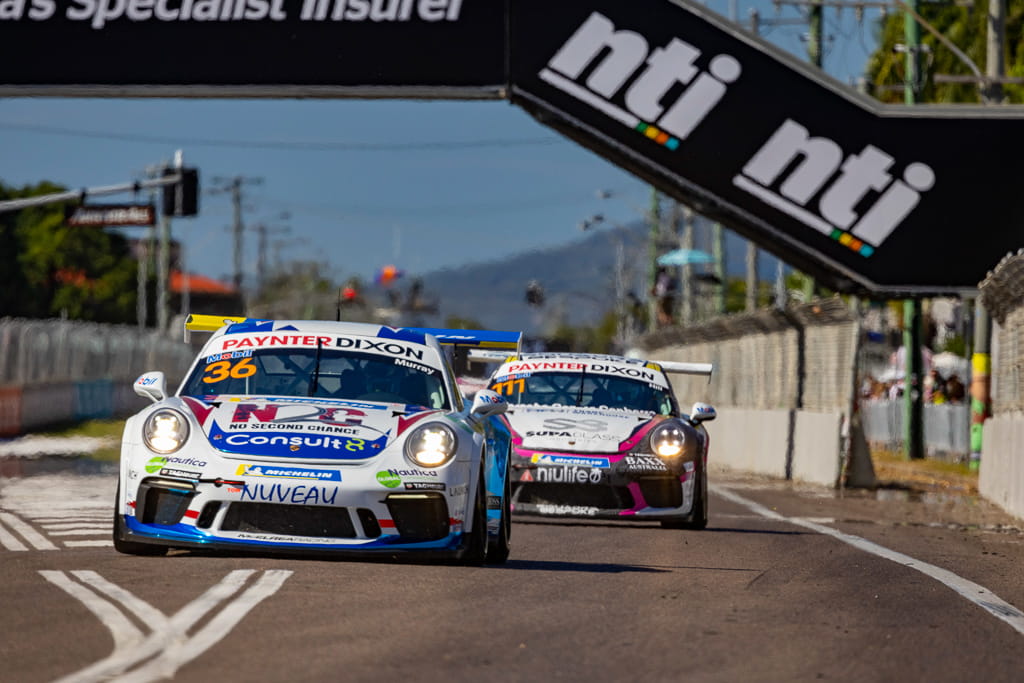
{"points": [[182, 198]]}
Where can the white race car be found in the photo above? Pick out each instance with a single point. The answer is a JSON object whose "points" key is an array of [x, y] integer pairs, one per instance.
{"points": [[325, 437], [602, 436]]}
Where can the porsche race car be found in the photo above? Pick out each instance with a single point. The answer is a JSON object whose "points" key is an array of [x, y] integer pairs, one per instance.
{"points": [[602, 436], [318, 437]]}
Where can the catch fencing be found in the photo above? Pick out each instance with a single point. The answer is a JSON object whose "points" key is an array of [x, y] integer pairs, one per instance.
{"points": [[1001, 476], [59, 371], [783, 386]]}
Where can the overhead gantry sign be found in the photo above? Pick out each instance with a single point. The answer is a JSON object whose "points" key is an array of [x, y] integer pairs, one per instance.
{"points": [[867, 197]]}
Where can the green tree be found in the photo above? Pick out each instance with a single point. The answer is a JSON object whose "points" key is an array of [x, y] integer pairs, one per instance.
{"points": [[966, 28], [50, 268]]}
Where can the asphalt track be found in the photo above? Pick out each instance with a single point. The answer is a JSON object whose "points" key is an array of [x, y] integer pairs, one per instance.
{"points": [[786, 584]]}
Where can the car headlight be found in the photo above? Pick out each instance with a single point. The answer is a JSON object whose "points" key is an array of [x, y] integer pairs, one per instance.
{"points": [[431, 445], [667, 440], [165, 431]]}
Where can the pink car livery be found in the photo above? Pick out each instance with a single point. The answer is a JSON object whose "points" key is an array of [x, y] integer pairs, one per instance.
{"points": [[602, 436]]}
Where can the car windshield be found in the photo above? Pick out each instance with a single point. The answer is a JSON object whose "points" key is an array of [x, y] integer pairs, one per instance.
{"points": [[589, 390], [327, 374]]}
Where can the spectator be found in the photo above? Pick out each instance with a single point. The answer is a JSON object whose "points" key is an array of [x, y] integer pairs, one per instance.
{"points": [[937, 389], [955, 390], [664, 292]]}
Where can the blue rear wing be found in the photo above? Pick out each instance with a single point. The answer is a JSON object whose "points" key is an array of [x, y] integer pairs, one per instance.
{"points": [[477, 339]]}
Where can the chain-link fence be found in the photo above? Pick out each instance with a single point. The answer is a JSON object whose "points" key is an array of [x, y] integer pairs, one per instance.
{"points": [[1002, 294], [802, 357], [40, 351]]}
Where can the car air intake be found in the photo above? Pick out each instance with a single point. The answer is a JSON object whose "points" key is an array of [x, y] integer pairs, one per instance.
{"points": [[419, 516], [662, 492], [289, 520], [163, 501]]}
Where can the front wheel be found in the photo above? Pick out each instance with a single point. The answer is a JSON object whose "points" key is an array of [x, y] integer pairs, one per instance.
{"points": [[474, 546], [698, 518], [130, 547], [498, 550]]}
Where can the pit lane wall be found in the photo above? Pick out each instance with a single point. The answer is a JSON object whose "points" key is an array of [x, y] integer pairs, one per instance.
{"points": [[782, 386], [1001, 470], [58, 371]]}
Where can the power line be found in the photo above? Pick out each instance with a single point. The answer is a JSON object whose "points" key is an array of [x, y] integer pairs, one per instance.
{"points": [[305, 146]]}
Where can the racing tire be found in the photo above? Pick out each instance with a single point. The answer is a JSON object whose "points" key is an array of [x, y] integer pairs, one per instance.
{"points": [[474, 551], [698, 519], [498, 551], [131, 547]]}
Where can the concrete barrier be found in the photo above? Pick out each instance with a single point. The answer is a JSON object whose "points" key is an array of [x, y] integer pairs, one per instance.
{"points": [[1001, 475], [10, 411], [44, 405], [94, 400], [749, 440], [817, 444]]}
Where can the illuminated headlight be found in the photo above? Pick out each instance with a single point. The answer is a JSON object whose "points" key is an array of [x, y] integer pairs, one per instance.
{"points": [[667, 440], [165, 431], [431, 445]]}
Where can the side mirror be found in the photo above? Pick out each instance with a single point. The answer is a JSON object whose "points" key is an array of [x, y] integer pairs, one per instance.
{"points": [[702, 412], [152, 385], [487, 403]]}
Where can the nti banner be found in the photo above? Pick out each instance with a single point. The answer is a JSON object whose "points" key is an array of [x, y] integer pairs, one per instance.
{"points": [[453, 48], [863, 196], [894, 200]]}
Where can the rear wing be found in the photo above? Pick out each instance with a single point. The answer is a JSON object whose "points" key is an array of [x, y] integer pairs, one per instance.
{"points": [[476, 339], [488, 355], [684, 368], [198, 322]]}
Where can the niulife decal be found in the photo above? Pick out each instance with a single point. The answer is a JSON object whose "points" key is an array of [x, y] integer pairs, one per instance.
{"points": [[625, 54], [979, 595], [862, 178], [169, 645]]}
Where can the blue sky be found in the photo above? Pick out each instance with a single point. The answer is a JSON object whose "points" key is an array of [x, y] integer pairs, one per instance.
{"points": [[510, 186]]}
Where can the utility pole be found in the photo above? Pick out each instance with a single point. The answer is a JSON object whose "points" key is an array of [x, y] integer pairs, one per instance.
{"points": [[981, 361], [684, 214], [262, 230], [234, 187], [815, 33], [652, 275]]}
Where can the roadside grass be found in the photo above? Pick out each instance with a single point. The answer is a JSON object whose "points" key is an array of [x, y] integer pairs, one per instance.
{"points": [[108, 430], [893, 469]]}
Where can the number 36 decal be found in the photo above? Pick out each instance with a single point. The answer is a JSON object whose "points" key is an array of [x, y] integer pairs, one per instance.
{"points": [[222, 369]]}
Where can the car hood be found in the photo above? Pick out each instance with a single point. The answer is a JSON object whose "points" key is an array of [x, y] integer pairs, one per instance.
{"points": [[581, 430], [299, 428]]}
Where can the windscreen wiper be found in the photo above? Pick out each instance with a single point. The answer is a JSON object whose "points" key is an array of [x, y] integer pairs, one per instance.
{"points": [[314, 383]]}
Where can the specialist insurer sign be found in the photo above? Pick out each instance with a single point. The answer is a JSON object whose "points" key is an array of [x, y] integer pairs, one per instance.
{"points": [[364, 47]]}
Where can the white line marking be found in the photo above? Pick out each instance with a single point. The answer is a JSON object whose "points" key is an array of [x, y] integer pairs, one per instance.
{"points": [[8, 540], [979, 595], [92, 531], [89, 544], [124, 632], [33, 537], [169, 641], [84, 524], [181, 651]]}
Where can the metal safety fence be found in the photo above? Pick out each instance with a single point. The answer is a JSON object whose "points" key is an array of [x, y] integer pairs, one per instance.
{"points": [[59, 371], [800, 357], [39, 351], [946, 427]]}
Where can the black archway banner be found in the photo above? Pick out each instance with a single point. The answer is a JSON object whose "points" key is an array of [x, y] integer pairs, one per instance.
{"points": [[891, 200], [396, 48]]}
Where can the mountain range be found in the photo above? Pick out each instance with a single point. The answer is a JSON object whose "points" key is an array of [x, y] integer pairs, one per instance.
{"points": [[578, 280]]}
